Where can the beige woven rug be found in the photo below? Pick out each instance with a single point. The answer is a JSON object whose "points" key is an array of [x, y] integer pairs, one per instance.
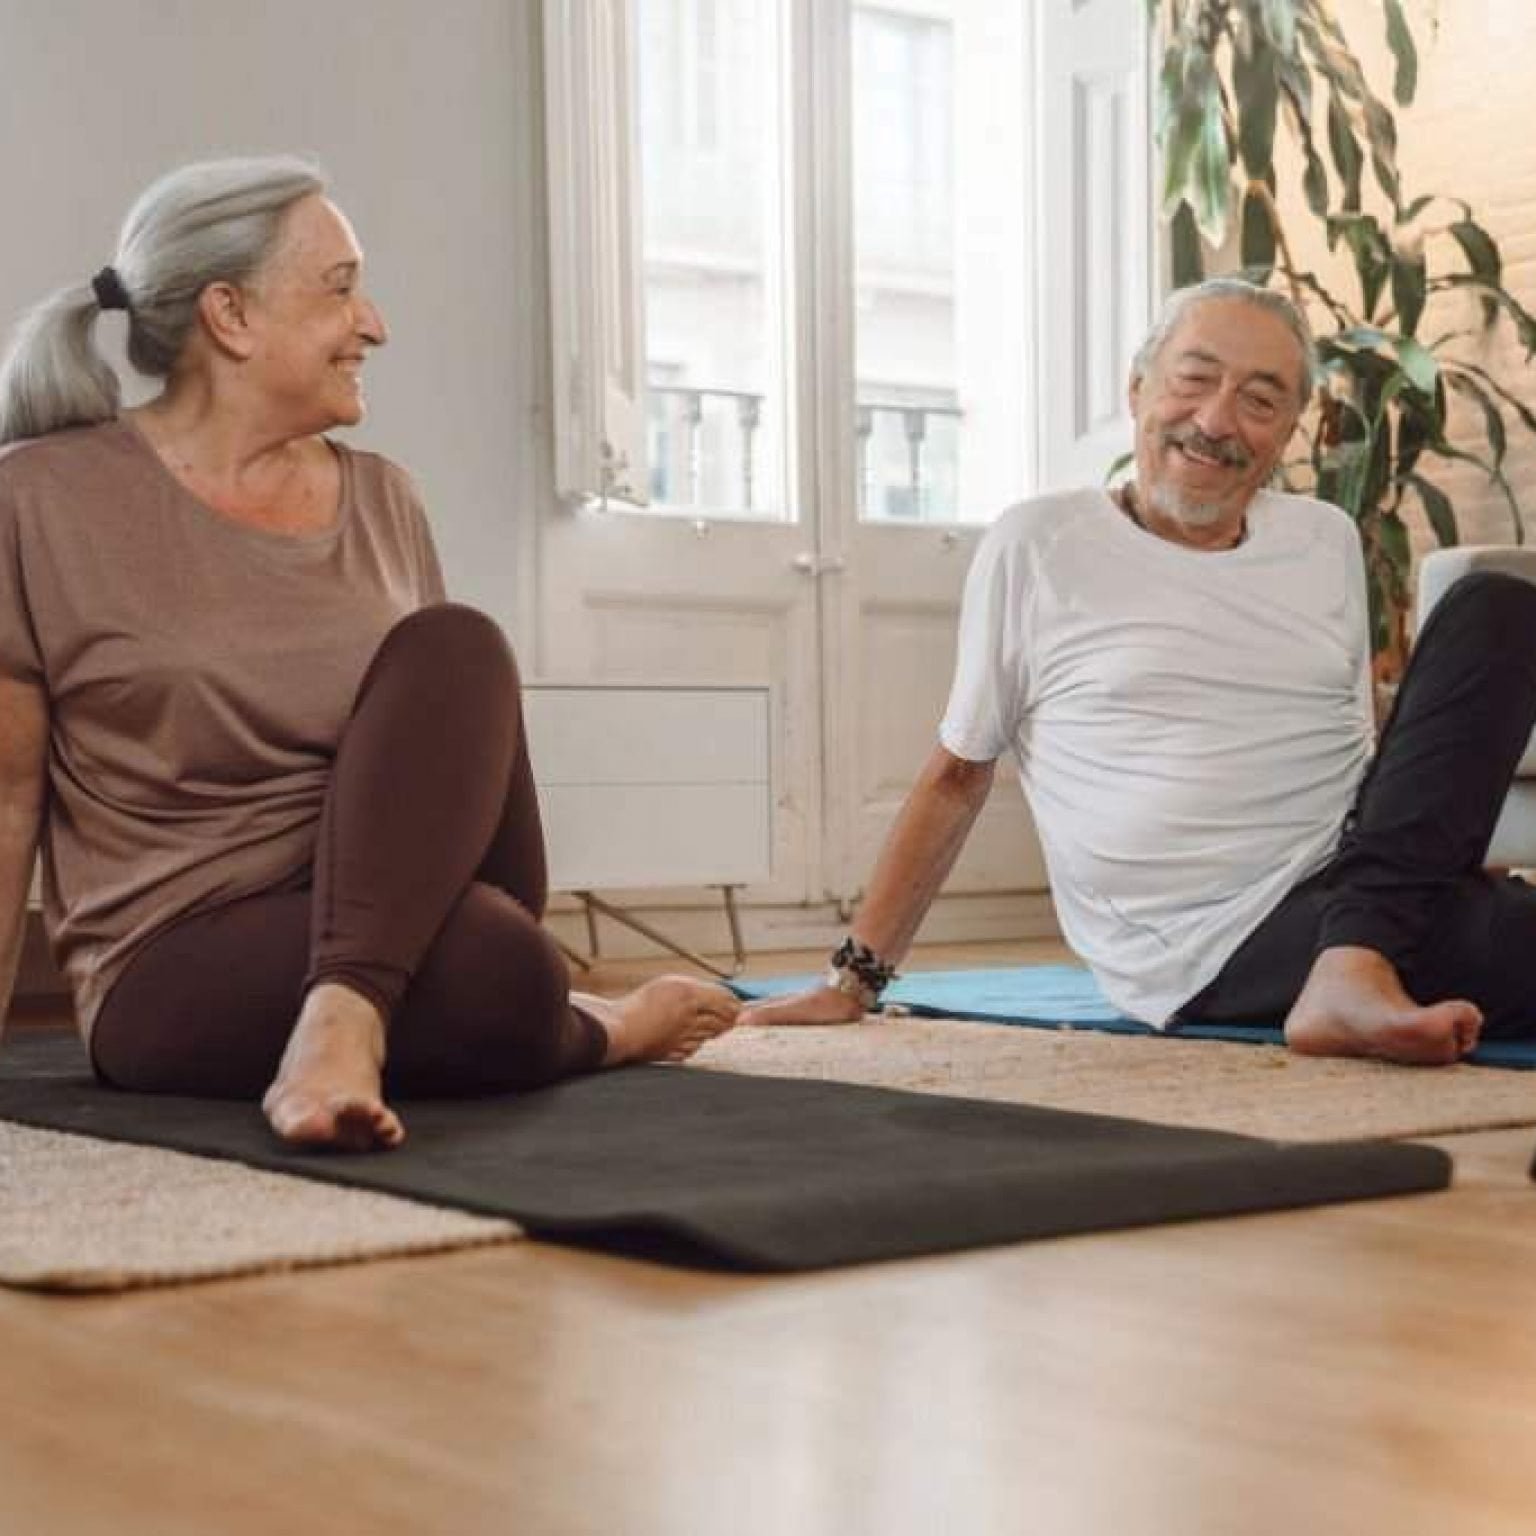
{"points": [[81, 1214], [1261, 1090]]}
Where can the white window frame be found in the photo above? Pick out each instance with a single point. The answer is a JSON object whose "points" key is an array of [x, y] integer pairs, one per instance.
{"points": [[597, 325]]}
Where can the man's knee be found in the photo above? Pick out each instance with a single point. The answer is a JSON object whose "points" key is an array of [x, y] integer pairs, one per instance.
{"points": [[1494, 607]]}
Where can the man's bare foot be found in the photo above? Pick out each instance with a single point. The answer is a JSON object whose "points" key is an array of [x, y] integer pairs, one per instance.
{"points": [[816, 1005], [328, 1088], [1353, 1004], [667, 1019]]}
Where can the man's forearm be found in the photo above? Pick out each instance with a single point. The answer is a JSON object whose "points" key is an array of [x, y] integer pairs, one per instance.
{"points": [[919, 852]]}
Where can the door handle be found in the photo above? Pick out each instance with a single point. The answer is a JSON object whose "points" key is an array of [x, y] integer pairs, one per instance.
{"points": [[809, 564]]}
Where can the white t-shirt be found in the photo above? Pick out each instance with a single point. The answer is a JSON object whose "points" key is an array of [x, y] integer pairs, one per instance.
{"points": [[1191, 727]]}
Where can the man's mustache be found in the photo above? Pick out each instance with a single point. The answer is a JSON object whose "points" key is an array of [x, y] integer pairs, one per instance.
{"points": [[1223, 449]]}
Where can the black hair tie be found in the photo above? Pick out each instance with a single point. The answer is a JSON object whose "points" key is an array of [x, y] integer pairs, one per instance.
{"points": [[109, 290]]}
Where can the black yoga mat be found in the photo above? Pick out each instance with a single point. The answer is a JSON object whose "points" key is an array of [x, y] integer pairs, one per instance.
{"points": [[755, 1173]]}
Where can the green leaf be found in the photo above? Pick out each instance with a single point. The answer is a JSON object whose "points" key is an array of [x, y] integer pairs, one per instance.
{"points": [[1381, 134], [1392, 539], [1295, 82], [1392, 533], [1437, 509], [1493, 418], [1381, 622], [1502, 298], [1314, 182], [1373, 255], [1350, 461], [1409, 290], [1480, 249], [1178, 151], [1419, 423], [1418, 363], [1355, 337], [1258, 235], [1345, 149], [1483, 258], [1279, 19], [1188, 261], [1378, 466], [1326, 44], [1170, 91], [1211, 174], [1199, 96], [1447, 450], [1514, 402], [1400, 40], [1258, 96]]}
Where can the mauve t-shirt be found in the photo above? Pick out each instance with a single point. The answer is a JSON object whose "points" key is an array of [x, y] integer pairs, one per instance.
{"points": [[199, 673]]}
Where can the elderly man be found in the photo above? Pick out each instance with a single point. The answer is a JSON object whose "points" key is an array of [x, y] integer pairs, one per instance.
{"points": [[1182, 669]]}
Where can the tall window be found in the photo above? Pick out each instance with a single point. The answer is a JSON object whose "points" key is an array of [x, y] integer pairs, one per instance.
{"points": [[712, 154], [909, 416], [931, 173]]}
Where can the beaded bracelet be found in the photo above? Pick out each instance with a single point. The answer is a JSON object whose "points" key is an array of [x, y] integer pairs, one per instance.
{"points": [[858, 972]]}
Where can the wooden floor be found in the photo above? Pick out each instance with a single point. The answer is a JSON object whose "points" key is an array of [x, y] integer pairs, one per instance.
{"points": [[1365, 1369]]}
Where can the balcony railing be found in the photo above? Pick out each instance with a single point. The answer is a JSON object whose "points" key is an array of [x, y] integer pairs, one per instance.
{"points": [[704, 447], [706, 453], [929, 435]]}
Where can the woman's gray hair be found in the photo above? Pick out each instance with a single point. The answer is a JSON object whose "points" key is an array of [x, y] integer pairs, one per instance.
{"points": [[1182, 300], [215, 221]]}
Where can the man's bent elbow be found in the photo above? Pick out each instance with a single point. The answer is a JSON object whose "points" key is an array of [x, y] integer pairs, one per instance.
{"points": [[959, 778]]}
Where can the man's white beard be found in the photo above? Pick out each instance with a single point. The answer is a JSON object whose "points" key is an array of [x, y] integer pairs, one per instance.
{"points": [[1166, 499]]}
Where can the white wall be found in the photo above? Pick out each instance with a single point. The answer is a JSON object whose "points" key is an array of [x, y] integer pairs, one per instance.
{"points": [[424, 114]]}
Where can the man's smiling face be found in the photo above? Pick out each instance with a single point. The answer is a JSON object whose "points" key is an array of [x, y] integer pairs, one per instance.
{"points": [[1214, 411]]}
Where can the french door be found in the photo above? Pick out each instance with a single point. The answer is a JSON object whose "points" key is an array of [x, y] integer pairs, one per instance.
{"points": [[885, 266]]}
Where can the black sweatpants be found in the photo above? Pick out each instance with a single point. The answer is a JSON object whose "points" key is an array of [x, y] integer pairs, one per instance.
{"points": [[1407, 879], [426, 894]]}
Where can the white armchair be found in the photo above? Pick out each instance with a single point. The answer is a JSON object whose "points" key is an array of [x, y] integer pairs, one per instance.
{"points": [[1514, 839]]}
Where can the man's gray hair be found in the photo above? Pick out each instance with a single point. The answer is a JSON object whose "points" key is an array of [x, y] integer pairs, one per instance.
{"points": [[1182, 300], [214, 221]]}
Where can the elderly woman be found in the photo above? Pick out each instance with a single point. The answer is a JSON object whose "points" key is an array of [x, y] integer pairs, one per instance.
{"points": [[290, 843]]}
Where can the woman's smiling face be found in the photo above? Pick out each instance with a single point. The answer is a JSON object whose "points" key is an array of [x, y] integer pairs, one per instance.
{"points": [[312, 323]]}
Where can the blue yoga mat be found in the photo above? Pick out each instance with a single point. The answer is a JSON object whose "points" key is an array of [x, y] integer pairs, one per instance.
{"points": [[1058, 996]]}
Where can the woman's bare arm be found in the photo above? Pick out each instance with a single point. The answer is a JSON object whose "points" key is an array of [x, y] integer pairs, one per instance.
{"points": [[23, 792]]}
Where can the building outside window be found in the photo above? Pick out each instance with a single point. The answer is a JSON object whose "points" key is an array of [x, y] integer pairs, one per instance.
{"points": [[713, 151]]}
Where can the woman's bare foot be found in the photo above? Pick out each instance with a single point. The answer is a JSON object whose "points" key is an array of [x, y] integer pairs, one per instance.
{"points": [[667, 1019], [328, 1088], [1353, 1004]]}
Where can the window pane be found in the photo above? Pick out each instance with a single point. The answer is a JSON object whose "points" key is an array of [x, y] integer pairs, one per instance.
{"points": [[711, 152], [939, 195]]}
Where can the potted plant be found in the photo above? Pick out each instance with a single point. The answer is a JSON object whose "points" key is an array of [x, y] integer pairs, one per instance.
{"points": [[1235, 73]]}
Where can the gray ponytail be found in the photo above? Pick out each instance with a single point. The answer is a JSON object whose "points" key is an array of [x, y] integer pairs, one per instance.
{"points": [[52, 375], [215, 221]]}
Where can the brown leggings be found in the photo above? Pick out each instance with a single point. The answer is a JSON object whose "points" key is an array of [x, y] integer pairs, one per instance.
{"points": [[425, 896]]}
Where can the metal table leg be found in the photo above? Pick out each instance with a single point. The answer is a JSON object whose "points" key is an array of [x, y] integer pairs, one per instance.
{"points": [[594, 903]]}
